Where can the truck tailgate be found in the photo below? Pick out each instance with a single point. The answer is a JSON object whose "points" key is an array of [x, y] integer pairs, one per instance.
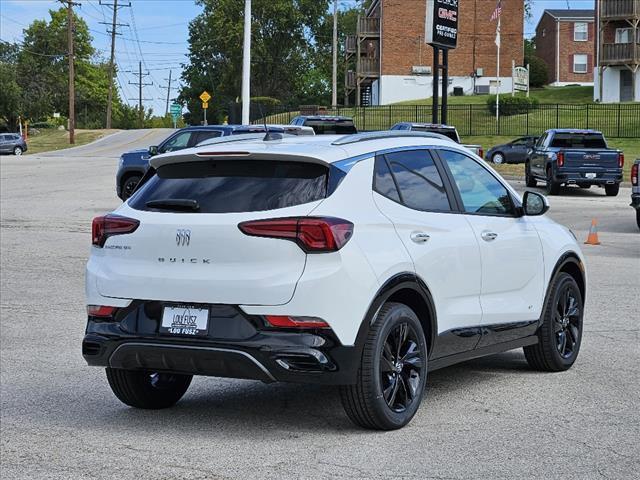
{"points": [[591, 160]]}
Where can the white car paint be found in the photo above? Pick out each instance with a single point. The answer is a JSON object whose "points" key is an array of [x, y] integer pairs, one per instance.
{"points": [[472, 282]]}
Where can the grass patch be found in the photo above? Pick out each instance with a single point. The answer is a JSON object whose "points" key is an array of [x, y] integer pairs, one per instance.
{"points": [[630, 147], [570, 94], [48, 140]]}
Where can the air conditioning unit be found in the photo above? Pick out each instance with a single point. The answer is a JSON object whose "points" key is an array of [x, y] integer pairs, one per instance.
{"points": [[482, 90], [479, 72], [421, 70]]}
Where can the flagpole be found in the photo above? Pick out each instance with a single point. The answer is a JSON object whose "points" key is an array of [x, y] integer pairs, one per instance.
{"points": [[499, 41]]}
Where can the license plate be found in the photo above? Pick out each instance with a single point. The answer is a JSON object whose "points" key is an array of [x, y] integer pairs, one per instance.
{"points": [[590, 175], [185, 320]]}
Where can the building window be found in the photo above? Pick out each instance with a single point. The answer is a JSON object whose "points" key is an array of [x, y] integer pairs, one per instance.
{"points": [[580, 64], [580, 32], [623, 35]]}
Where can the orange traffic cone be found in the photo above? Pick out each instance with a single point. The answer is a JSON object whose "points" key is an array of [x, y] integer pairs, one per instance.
{"points": [[592, 238]]}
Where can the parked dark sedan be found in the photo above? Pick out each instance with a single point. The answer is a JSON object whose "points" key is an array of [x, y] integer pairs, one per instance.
{"points": [[12, 143], [513, 152]]}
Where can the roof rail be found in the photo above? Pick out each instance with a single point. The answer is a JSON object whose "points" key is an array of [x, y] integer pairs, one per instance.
{"points": [[386, 134]]}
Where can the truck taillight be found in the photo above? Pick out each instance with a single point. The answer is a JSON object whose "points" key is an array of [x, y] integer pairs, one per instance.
{"points": [[110, 225], [481, 152], [312, 234], [620, 160], [561, 159], [634, 175]]}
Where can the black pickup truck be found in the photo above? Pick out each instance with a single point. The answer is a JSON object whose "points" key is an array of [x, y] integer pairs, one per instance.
{"points": [[574, 157]]}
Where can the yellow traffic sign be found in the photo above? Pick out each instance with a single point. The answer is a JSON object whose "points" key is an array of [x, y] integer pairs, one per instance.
{"points": [[205, 97], [205, 105]]}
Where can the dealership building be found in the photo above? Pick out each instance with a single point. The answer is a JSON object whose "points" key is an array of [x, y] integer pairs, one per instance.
{"points": [[388, 60]]}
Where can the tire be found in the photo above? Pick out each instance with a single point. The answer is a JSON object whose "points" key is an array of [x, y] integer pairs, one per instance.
{"points": [[17, 151], [612, 190], [129, 185], [388, 392], [498, 158], [638, 217], [529, 180], [560, 334], [553, 188], [148, 390]]}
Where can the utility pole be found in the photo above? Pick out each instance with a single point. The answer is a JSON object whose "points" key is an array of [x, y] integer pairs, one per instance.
{"points": [[113, 33], [140, 83], [334, 92], [169, 88], [72, 87], [246, 63]]}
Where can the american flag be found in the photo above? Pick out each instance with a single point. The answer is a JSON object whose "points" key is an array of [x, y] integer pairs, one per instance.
{"points": [[497, 12]]}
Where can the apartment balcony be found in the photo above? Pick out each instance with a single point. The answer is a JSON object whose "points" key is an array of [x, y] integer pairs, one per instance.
{"points": [[369, 67], [369, 26], [350, 44], [620, 9], [620, 54]]}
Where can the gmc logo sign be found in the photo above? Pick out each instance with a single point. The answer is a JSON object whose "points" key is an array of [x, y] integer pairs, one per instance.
{"points": [[448, 14]]}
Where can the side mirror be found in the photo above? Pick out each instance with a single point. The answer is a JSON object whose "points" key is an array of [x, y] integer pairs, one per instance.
{"points": [[534, 204], [153, 150]]}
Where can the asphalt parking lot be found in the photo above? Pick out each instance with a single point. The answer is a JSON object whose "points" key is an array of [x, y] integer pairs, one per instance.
{"points": [[489, 418]]}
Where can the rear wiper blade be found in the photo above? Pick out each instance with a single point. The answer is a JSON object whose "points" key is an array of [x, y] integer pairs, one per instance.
{"points": [[184, 204]]}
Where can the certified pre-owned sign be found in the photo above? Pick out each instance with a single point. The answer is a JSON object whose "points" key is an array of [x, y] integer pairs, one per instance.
{"points": [[442, 23]]}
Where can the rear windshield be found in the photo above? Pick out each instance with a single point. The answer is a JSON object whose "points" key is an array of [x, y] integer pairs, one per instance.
{"points": [[578, 140], [331, 127], [227, 186], [447, 132]]}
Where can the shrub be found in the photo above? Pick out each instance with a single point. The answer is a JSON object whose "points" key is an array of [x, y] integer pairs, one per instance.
{"points": [[539, 72], [512, 105]]}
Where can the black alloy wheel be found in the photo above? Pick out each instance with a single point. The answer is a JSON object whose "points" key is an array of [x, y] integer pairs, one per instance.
{"points": [[560, 335], [129, 186], [149, 390], [401, 366], [567, 321], [393, 370]]}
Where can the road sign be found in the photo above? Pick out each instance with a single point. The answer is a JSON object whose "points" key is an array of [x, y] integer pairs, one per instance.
{"points": [[205, 97], [205, 105], [175, 109]]}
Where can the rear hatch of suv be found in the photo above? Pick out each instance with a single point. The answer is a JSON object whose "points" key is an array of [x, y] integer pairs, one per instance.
{"points": [[188, 246]]}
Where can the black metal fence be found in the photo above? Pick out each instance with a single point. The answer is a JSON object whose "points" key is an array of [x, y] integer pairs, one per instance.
{"points": [[614, 120]]}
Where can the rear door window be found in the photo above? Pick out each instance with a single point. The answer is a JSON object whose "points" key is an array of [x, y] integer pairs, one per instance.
{"points": [[418, 180], [227, 186], [206, 135]]}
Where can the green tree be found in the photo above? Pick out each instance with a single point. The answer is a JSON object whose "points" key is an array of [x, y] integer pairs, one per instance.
{"points": [[11, 92], [539, 72], [283, 51]]}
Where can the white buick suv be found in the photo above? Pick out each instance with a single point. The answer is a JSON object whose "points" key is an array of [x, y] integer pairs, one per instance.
{"points": [[362, 261]]}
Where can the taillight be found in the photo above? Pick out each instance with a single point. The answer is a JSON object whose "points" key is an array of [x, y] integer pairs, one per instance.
{"points": [[561, 159], [634, 174], [100, 310], [110, 225], [481, 153], [620, 160], [283, 321], [312, 234]]}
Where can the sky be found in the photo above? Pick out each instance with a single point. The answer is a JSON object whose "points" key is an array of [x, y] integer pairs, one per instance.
{"points": [[156, 32]]}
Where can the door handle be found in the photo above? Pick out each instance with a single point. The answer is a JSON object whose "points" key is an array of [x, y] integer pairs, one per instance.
{"points": [[420, 237], [489, 236]]}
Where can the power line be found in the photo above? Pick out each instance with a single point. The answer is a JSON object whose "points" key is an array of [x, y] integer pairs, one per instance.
{"points": [[140, 83]]}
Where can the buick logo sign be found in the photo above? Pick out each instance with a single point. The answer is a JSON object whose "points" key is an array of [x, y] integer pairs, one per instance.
{"points": [[183, 237]]}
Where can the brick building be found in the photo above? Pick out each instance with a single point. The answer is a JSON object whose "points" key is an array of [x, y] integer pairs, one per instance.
{"points": [[564, 41], [617, 50], [389, 62]]}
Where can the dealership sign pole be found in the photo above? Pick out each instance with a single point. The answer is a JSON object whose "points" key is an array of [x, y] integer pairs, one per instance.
{"points": [[441, 32]]}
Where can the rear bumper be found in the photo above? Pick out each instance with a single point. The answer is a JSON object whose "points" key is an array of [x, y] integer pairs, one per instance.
{"points": [[239, 349], [602, 178]]}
